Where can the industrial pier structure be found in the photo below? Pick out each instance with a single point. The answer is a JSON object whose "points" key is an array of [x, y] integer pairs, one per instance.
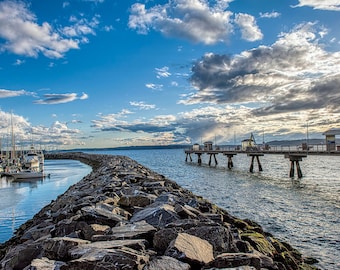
{"points": [[249, 147]]}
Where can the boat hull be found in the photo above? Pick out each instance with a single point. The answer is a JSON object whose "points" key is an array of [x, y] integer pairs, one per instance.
{"points": [[26, 175]]}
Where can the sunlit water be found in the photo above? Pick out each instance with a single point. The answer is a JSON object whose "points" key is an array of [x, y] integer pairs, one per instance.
{"points": [[20, 201], [305, 213]]}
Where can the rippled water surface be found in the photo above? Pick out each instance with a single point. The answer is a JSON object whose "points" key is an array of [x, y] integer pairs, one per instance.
{"points": [[20, 201], [305, 213]]}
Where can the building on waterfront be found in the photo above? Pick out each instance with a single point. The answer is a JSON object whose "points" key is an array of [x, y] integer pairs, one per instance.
{"points": [[208, 146], [330, 139]]}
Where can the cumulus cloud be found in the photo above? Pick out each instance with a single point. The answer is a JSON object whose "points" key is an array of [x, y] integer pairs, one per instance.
{"points": [[293, 74], [247, 23], [57, 134], [60, 98], [22, 35], [323, 5], [193, 20]]}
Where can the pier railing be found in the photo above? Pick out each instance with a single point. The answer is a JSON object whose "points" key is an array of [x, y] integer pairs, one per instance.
{"points": [[271, 149], [294, 153]]}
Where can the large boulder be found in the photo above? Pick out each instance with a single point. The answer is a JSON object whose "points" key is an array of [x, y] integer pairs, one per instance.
{"points": [[156, 215], [191, 249], [166, 263]]}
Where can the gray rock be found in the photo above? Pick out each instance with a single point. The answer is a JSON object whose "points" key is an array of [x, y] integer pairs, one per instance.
{"points": [[133, 230], [101, 215], [156, 215], [58, 248], [218, 236], [190, 249], [103, 259], [45, 264], [135, 244], [166, 263], [163, 238], [140, 200], [228, 260], [21, 256]]}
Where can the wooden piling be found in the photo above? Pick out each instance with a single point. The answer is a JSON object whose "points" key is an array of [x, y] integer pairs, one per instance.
{"points": [[188, 155], [212, 155], [295, 158], [230, 159], [199, 159], [253, 155]]}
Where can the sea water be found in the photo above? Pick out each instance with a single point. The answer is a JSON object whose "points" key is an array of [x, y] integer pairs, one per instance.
{"points": [[304, 213], [21, 200]]}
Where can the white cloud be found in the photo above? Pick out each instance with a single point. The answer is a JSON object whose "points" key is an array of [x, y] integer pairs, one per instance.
{"points": [[273, 14], [24, 36], [154, 86], [192, 20], [19, 62], [247, 23], [60, 98], [294, 78], [163, 72], [14, 93], [320, 4], [142, 105]]}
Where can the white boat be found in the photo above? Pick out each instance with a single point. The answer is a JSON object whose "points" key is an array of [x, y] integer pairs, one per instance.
{"points": [[32, 166], [26, 174]]}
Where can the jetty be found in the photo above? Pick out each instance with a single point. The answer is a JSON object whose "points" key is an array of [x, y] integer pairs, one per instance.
{"points": [[125, 216], [295, 154]]}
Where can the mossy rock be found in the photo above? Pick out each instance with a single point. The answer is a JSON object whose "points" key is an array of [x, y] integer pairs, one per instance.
{"points": [[288, 260], [241, 224], [259, 242]]}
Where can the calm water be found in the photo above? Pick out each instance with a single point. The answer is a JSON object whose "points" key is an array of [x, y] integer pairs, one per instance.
{"points": [[305, 213], [20, 201]]}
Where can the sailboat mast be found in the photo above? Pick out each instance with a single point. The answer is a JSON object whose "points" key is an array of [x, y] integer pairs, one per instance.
{"points": [[13, 140]]}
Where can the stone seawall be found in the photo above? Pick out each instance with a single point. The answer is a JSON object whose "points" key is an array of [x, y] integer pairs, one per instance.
{"points": [[125, 216]]}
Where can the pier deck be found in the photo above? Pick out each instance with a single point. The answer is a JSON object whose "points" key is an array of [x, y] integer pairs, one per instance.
{"points": [[294, 155]]}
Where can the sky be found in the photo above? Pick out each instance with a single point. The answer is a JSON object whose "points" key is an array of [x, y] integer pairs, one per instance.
{"points": [[109, 73]]}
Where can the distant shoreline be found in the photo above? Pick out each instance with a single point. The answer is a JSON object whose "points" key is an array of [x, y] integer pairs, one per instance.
{"points": [[185, 146]]}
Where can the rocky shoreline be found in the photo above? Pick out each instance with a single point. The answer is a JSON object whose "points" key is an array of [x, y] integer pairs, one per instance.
{"points": [[125, 216]]}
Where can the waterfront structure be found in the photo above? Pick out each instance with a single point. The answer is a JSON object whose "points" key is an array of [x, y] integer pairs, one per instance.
{"points": [[330, 139], [295, 155]]}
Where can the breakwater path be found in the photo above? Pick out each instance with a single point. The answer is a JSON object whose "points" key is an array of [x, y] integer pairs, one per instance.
{"points": [[125, 216]]}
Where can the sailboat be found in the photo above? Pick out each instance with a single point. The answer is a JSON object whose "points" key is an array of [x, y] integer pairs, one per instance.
{"points": [[31, 164]]}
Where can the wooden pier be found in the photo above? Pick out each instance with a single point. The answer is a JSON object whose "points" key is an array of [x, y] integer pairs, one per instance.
{"points": [[294, 156]]}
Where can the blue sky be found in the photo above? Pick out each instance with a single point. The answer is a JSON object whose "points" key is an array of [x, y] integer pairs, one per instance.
{"points": [[106, 73]]}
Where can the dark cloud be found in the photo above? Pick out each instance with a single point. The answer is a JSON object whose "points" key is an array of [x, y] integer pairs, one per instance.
{"points": [[293, 74], [141, 127]]}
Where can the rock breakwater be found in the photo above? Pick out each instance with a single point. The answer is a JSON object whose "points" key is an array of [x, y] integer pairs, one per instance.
{"points": [[125, 216]]}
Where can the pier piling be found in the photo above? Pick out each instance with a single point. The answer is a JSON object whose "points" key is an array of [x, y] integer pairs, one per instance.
{"points": [[186, 158], [230, 159], [253, 155], [295, 158], [214, 155]]}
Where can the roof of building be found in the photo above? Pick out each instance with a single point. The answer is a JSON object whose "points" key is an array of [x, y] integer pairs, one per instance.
{"points": [[333, 131]]}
